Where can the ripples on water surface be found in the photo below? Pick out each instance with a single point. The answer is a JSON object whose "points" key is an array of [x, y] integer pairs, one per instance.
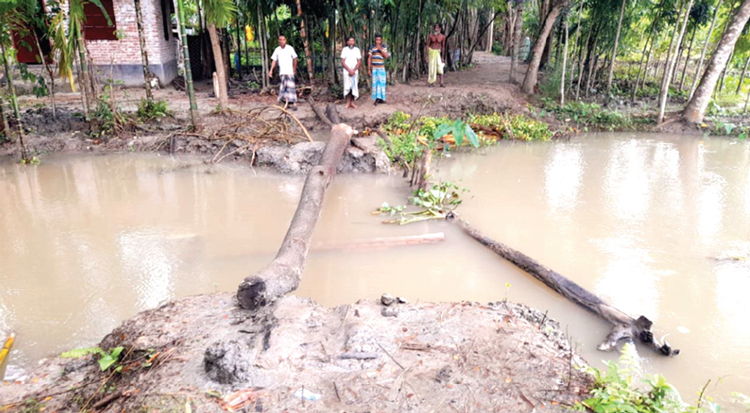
{"points": [[639, 220]]}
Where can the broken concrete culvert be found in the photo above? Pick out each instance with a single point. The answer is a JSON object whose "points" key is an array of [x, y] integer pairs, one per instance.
{"points": [[296, 355]]}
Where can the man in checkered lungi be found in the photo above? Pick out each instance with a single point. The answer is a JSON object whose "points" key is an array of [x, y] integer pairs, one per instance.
{"points": [[287, 60], [376, 65]]}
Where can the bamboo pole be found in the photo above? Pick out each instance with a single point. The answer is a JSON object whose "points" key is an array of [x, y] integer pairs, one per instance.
{"points": [[188, 71]]}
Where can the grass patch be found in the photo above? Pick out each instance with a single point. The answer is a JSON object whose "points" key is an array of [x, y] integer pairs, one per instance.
{"points": [[591, 115], [409, 137]]}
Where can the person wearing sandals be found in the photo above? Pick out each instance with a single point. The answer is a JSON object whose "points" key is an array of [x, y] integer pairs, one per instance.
{"points": [[376, 66], [287, 60], [433, 56]]}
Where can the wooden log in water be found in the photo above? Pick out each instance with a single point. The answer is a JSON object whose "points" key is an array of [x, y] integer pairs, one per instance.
{"points": [[625, 327], [385, 242], [284, 273]]}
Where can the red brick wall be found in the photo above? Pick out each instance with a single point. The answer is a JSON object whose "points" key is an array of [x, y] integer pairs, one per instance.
{"points": [[127, 49]]}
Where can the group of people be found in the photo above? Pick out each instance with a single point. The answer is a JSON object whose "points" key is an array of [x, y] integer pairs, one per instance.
{"points": [[351, 59]]}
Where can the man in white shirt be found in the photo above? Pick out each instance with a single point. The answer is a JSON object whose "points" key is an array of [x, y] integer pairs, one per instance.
{"points": [[287, 59], [351, 60]]}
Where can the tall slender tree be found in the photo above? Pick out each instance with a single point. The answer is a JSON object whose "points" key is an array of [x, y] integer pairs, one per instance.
{"points": [[672, 61], [695, 110], [144, 51], [186, 65], [530, 80], [614, 49], [219, 13], [705, 47]]}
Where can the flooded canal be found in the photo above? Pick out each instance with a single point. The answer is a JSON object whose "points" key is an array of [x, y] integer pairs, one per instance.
{"points": [[657, 225]]}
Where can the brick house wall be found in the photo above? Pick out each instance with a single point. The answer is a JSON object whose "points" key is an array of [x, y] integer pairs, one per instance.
{"points": [[122, 58]]}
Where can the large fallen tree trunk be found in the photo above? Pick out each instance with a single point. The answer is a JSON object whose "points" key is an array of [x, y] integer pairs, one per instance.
{"points": [[625, 326], [283, 274]]}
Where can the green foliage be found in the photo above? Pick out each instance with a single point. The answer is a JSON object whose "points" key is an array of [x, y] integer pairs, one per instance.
{"points": [[149, 110], [437, 202], [497, 49], [31, 161], [409, 137], [107, 359], [615, 390], [386, 209], [77, 353], [590, 115], [504, 126], [40, 85]]}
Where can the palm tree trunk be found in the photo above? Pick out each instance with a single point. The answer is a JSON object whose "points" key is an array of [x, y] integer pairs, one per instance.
{"points": [[696, 107], [144, 51], [186, 56], [303, 34], [517, 32], [703, 52], [221, 73], [667, 79], [742, 76], [614, 49], [687, 59], [529, 81]]}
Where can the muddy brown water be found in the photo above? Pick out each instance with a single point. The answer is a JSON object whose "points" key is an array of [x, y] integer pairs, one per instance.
{"points": [[656, 224]]}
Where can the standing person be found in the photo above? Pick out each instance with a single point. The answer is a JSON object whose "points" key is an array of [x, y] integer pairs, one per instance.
{"points": [[376, 66], [351, 60], [434, 55], [287, 59]]}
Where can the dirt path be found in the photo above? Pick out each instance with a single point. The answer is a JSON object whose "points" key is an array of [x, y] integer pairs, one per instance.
{"points": [[481, 88]]}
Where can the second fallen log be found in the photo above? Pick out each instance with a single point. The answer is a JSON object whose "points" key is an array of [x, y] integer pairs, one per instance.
{"points": [[283, 274], [624, 327]]}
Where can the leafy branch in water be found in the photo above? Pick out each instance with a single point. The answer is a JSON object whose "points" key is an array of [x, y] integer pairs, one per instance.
{"points": [[435, 203]]}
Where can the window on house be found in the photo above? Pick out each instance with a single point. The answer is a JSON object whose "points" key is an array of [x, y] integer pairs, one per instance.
{"points": [[97, 26]]}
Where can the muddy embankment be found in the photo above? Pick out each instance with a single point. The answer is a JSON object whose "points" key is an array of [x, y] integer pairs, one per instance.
{"points": [[204, 354]]}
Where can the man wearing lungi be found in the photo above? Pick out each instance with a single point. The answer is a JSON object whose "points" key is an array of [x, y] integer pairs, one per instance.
{"points": [[376, 66], [433, 55], [351, 60], [287, 59]]}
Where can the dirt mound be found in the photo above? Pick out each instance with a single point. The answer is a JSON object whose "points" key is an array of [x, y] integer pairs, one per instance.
{"points": [[298, 355], [41, 121]]}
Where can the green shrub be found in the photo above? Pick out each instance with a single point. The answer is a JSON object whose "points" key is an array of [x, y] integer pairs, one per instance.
{"points": [[615, 390], [590, 115], [153, 109]]}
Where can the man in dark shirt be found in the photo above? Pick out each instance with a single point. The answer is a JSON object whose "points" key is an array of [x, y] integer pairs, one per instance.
{"points": [[376, 66]]}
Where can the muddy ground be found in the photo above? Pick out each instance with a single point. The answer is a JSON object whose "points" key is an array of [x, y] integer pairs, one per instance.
{"points": [[483, 88], [201, 353]]}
